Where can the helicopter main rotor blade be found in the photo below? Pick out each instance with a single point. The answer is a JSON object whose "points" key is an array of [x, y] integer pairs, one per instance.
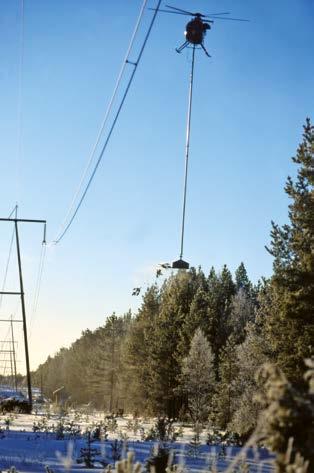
{"points": [[214, 14], [224, 18], [180, 10], [185, 12], [169, 11]]}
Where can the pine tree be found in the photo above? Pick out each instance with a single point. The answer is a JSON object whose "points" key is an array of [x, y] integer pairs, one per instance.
{"points": [[197, 317], [137, 351], [287, 423], [220, 293], [250, 356], [242, 312], [106, 361], [164, 364], [197, 377], [224, 400], [291, 326], [242, 279]]}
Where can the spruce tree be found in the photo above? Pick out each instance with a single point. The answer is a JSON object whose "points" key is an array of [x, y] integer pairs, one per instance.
{"points": [[221, 290], [197, 377], [250, 356], [291, 325], [242, 280], [224, 400], [177, 295], [242, 312], [137, 351], [106, 362], [197, 317]]}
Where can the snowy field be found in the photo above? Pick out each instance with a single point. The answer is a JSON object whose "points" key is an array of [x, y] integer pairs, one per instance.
{"points": [[31, 451]]}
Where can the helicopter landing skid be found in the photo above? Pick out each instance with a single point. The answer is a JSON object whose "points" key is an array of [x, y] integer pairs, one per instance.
{"points": [[183, 46], [205, 50], [186, 45]]}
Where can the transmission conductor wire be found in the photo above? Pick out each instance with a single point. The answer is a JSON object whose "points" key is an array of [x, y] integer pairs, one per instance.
{"points": [[37, 287], [106, 116], [40, 271], [7, 267], [14, 211], [135, 64], [19, 101]]}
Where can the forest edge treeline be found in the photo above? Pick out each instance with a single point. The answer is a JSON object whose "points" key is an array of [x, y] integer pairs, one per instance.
{"points": [[214, 328]]}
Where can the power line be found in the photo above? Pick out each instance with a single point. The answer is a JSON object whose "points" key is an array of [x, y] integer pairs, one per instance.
{"points": [[106, 116], [14, 211], [19, 100], [135, 64], [7, 268], [38, 286]]}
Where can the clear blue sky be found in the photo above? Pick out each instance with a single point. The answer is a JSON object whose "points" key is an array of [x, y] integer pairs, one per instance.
{"points": [[251, 99]]}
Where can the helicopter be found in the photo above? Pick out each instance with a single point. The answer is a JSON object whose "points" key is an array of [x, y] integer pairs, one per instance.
{"points": [[196, 28], [195, 32]]}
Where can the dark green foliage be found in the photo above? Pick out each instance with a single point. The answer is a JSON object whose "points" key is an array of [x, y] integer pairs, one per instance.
{"points": [[197, 378], [99, 431], [195, 442], [116, 450], [137, 352], [59, 430], [163, 431], [105, 382], [242, 280], [88, 454], [220, 293], [217, 437], [160, 458], [291, 326], [15, 405], [164, 363], [288, 419], [224, 401], [134, 363]]}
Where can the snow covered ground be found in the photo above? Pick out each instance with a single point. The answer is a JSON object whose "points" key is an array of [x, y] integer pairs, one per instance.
{"points": [[31, 451]]}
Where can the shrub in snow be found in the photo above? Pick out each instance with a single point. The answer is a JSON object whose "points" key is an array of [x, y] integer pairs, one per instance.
{"points": [[163, 430], [133, 425], [88, 454], [41, 425], [59, 430], [160, 459], [99, 431], [117, 447], [195, 443], [111, 424], [72, 429], [216, 437], [15, 405], [48, 469]]}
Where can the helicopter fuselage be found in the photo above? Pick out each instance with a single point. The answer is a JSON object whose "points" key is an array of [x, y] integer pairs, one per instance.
{"points": [[195, 30]]}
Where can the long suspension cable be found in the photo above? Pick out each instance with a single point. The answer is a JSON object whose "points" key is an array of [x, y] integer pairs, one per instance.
{"points": [[14, 211], [19, 102], [7, 267], [37, 287], [106, 116], [187, 150], [135, 64]]}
